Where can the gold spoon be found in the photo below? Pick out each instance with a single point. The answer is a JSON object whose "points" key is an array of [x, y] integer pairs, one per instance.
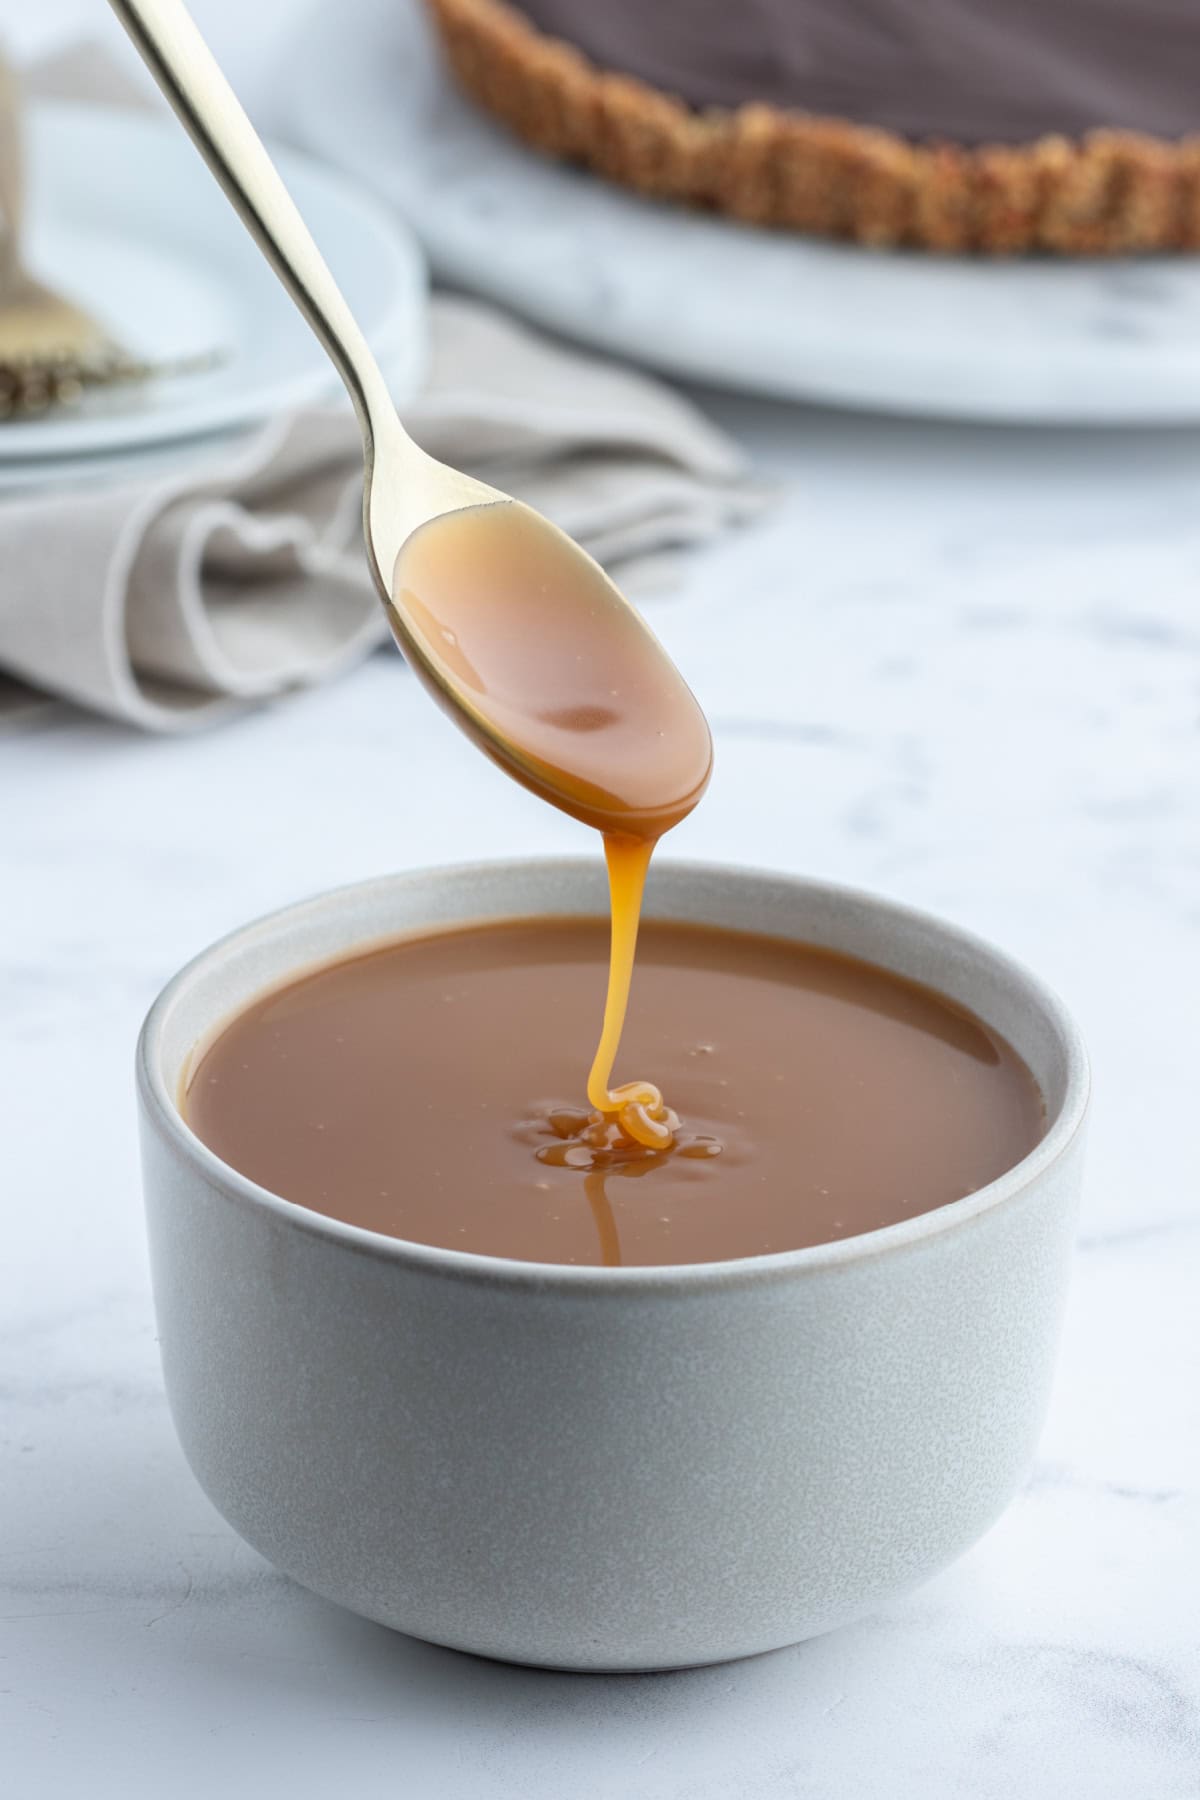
{"points": [[404, 488], [513, 629]]}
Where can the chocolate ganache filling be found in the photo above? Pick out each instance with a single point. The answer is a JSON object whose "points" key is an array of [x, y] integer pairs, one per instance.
{"points": [[975, 71]]}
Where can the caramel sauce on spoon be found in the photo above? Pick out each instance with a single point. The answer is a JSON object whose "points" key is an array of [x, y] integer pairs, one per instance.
{"points": [[534, 651]]}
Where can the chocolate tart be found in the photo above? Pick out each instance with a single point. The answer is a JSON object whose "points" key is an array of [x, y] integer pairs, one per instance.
{"points": [[659, 96]]}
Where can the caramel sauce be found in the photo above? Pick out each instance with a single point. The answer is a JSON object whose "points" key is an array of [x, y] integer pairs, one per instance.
{"points": [[530, 645], [414, 1089], [430, 1089]]}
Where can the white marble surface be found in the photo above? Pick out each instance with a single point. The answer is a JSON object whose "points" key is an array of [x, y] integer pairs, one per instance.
{"points": [[698, 295], [980, 692]]}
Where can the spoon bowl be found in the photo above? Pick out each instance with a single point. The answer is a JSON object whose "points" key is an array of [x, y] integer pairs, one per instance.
{"points": [[551, 671]]}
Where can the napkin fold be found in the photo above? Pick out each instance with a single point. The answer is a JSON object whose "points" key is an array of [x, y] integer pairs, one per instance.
{"points": [[224, 578]]}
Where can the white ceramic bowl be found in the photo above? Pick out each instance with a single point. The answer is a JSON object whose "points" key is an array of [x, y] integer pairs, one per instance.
{"points": [[596, 1468]]}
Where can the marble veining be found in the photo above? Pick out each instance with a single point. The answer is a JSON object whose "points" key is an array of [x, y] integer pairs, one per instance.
{"points": [[981, 693]]}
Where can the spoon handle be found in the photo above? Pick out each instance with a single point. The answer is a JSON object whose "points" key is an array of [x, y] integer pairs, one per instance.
{"points": [[185, 69]]}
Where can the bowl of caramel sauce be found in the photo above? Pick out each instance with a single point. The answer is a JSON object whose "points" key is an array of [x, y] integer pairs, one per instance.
{"points": [[712, 1366]]}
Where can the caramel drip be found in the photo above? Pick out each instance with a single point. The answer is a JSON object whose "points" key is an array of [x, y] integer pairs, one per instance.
{"points": [[637, 1106]]}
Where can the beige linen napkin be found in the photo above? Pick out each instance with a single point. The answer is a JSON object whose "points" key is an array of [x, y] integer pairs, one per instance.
{"points": [[170, 599]]}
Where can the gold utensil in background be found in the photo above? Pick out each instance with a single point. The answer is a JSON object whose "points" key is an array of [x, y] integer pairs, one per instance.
{"points": [[48, 344]]}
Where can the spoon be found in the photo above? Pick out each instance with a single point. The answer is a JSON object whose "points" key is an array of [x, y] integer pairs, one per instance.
{"points": [[629, 756]]}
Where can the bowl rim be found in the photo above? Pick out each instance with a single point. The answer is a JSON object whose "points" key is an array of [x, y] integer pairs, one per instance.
{"points": [[161, 1111]]}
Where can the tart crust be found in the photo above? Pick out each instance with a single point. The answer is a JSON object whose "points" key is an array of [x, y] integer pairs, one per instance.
{"points": [[1110, 193]]}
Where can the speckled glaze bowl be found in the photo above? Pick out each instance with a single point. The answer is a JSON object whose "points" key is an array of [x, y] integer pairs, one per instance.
{"points": [[595, 1468]]}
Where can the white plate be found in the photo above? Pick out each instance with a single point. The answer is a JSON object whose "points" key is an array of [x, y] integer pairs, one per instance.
{"points": [[1040, 341], [125, 218]]}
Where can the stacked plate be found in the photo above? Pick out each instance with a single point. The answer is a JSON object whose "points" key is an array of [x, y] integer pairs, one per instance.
{"points": [[124, 218]]}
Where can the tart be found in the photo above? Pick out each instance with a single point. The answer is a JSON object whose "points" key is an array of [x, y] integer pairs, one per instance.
{"points": [[937, 125]]}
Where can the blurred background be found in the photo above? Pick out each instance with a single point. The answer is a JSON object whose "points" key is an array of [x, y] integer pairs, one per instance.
{"points": [[899, 449]]}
